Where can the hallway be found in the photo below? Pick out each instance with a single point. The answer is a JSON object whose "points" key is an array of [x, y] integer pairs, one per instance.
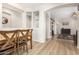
{"points": [[54, 47]]}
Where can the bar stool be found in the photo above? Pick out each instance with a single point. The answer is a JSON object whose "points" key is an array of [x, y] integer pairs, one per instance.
{"points": [[8, 43], [22, 41], [29, 37]]}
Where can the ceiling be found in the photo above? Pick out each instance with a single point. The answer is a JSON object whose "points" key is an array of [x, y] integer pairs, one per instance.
{"points": [[32, 5], [36, 5]]}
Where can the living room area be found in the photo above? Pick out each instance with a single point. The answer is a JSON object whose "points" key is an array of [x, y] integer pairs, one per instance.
{"points": [[63, 22]]}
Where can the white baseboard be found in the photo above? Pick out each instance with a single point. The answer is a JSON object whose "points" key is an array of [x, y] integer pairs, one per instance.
{"points": [[49, 37], [41, 41]]}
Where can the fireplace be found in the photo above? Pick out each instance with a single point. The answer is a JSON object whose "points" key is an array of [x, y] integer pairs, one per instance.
{"points": [[65, 34], [66, 31]]}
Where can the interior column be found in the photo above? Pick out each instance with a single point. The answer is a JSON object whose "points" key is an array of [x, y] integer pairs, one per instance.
{"points": [[42, 27]]}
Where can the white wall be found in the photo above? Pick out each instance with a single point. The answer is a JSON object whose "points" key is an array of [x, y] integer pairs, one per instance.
{"points": [[16, 18], [24, 21], [0, 15]]}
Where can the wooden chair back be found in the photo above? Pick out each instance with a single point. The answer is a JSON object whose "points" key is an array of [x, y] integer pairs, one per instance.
{"points": [[22, 40], [29, 37], [8, 42]]}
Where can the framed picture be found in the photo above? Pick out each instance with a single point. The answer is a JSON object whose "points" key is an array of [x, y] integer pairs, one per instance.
{"points": [[6, 19], [65, 23]]}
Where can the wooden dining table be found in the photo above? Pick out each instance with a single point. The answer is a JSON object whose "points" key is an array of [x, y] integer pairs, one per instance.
{"points": [[14, 35]]}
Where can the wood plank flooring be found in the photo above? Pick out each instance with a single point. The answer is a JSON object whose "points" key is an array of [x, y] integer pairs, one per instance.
{"points": [[54, 47]]}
